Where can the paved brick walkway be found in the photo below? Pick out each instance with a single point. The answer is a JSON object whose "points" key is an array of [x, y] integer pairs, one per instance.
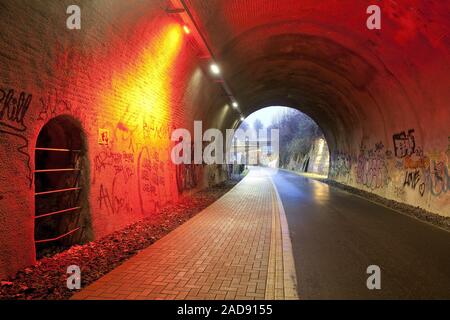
{"points": [[238, 248]]}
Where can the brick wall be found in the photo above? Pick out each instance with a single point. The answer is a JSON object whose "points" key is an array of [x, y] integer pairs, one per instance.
{"points": [[129, 76]]}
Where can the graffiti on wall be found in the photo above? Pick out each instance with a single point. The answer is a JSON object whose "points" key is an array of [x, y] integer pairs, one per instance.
{"points": [[413, 180], [186, 177], [154, 130], [137, 153], [13, 109], [151, 180], [212, 174], [438, 178], [448, 152], [405, 169], [118, 162], [429, 172], [404, 143], [371, 169], [125, 130], [114, 200], [187, 174], [114, 167], [426, 173], [53, 105], [341, 166]]}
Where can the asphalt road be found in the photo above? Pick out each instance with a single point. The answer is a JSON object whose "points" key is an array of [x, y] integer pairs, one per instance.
{"points": [[336, 236]]}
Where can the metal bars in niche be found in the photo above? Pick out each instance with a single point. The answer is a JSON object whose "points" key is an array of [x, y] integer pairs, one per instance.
{"points": [[59, 186], [73, 190]]}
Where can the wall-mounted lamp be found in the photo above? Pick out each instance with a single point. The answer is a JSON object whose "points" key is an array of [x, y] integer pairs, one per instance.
{"points": [[191, 27], [215, 69], [186, 29]]}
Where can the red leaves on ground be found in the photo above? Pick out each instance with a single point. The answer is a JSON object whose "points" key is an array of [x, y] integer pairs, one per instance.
{"points": [[47, 279]]}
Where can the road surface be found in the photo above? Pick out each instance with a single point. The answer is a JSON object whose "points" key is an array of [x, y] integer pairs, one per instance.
{"points": [[336, 236]]}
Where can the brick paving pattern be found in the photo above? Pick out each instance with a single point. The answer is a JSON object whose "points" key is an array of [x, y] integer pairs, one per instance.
{"points": [[238, 248]]}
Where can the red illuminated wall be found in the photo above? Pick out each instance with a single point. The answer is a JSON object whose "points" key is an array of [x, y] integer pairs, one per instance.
{"points": [[132, 74]]}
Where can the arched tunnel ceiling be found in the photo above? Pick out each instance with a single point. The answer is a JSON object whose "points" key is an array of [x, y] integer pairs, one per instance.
{"points": [[319, 57]]}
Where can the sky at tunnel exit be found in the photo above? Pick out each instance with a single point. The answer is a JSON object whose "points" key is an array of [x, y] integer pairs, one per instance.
{"points": [[266, 115]]}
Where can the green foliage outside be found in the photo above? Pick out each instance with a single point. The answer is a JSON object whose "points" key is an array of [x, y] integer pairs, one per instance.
{"points": [[297, 134]]}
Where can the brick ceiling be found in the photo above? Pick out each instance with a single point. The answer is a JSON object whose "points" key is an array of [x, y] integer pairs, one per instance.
{"points": [[318, 55]]}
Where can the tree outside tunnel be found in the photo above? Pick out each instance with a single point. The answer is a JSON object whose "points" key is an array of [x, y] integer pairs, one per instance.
{"points": [[302, 144]]}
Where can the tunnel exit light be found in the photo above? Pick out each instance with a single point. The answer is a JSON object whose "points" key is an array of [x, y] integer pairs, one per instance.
{"points": [[215, 69]]}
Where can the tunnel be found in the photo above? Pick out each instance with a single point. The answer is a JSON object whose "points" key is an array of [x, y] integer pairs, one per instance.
{"points": [[300, 144], [136, 70]]}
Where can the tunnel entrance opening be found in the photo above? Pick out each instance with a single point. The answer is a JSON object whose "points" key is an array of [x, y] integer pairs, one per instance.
{"points": [[62, 216], [302, 144]]}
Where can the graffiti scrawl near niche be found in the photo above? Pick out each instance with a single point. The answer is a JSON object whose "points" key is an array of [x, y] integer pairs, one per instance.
{"points": [[13, 110], [150, 180], [404, 144], [114, 202], [52, 105], [120, 162], [125, 130]]}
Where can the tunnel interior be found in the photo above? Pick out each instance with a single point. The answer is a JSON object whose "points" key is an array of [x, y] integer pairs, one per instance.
{"points": [[121, 84], [61, 183], [370, 91]]}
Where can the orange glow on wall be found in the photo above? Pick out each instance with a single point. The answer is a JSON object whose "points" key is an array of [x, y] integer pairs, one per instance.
{"points": [[141, 103], [143, 87]]}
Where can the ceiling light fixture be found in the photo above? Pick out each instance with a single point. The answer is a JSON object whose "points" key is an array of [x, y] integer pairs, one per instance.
{"points": [[215, 69], [186, 29]]}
